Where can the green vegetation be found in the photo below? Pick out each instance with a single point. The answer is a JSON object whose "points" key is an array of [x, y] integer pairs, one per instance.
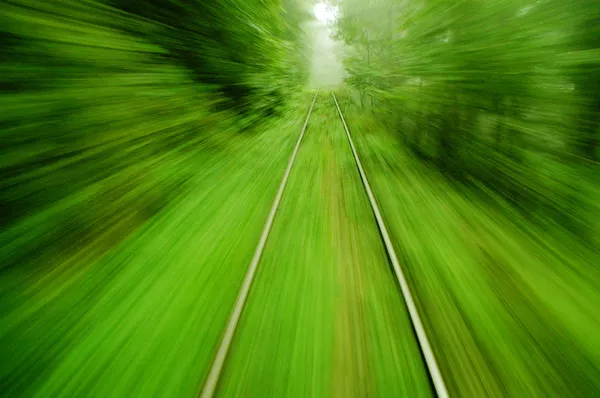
{"points": [[504, 94], [143, 143], [143, 319], [324, 307], [510, 305], [131, 173], [478, 123], [104, 112]]}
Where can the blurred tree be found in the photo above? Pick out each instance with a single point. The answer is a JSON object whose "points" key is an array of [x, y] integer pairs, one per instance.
{"points": [[499, 92], [100, 100]]}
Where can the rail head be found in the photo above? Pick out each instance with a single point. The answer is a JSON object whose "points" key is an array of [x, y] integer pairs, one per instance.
{"points": [[430, 361]]}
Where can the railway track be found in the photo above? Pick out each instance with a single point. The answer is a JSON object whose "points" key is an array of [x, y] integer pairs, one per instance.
{"points": [[434, 375]]}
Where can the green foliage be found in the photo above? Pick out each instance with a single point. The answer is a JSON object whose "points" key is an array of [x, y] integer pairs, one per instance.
{"points": [[107, 106], [500, 93], [243, 47], [143, 142]]}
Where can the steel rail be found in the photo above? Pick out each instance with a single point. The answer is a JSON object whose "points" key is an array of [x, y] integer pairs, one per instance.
{"points": [[430, 361], [210, 384]]}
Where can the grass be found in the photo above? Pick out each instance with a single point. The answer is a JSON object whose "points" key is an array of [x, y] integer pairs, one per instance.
{"points": [[141, 314], [143, 317], [324, 316], [135, 305], [510, 305]]}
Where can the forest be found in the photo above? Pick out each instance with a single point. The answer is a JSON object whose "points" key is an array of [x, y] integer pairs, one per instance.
{"points": [[290, 198]]}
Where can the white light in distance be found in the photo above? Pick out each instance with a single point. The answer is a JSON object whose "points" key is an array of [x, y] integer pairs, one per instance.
{"points": [[325, 13]]}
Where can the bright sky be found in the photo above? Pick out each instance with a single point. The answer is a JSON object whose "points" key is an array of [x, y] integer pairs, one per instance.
{"points": [[326, 68], [325, 13]]}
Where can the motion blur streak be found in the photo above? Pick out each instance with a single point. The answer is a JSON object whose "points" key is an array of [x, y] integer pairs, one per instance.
{"points": [[143, 143]]}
